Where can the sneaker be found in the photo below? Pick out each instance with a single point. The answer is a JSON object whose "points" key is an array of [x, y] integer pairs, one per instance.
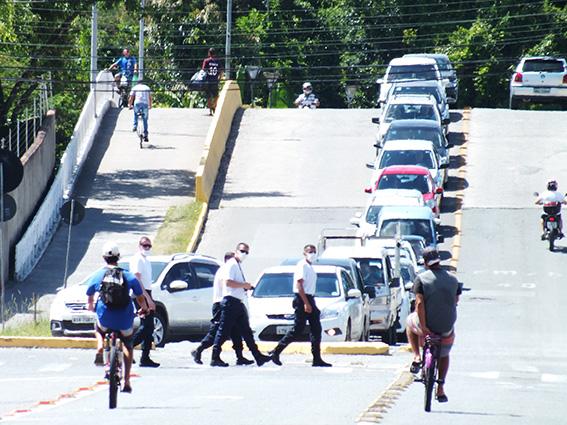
{"points": [[218, 363], [196, 356], [135, 129], [321, 363], [442, 398], [147, 362], [98, 360], [261, 359], [146, 138], [243, 361], [275, 358], [127, 389]]}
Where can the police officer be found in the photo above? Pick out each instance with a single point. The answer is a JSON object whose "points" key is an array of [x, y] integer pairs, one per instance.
{"points": [[233, 310], [304, 285], [209, 339]]}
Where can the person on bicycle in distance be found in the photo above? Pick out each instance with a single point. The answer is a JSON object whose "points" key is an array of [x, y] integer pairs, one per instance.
{"points": [[128, 67], [141, 100], [436, 295], [115, 319], [551, 200]]}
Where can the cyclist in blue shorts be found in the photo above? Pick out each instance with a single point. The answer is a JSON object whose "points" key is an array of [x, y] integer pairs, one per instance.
{"points": [[115, 311]]}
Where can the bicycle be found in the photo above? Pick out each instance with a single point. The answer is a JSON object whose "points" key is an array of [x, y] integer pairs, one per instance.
{"points": [[429, 367], [140, 127], [114, 360]]}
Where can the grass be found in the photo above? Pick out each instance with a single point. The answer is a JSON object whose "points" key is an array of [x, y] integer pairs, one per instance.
{"points": [[39, 328], [177, 228]]}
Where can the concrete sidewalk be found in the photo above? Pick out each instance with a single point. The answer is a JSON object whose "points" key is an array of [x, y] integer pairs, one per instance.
{"points": [[126, 191]]}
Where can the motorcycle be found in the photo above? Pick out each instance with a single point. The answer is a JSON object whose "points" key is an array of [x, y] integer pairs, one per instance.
{"points": [[551, 218], [123, 91]]}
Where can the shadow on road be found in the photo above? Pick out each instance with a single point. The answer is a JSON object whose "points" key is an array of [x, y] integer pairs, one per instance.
{"points": [[457, 138], [456, 116], [455, 184], [451, 204]]}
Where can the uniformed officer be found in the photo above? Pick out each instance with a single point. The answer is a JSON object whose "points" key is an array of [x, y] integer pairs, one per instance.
{"points": [[233, 310], [304, 285]]}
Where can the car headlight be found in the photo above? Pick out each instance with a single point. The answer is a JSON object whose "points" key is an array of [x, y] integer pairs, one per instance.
{"points": [[329, 314]]}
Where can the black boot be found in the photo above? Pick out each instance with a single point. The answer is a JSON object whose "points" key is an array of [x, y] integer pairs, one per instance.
{"points": [[145, 361], [317, 360], [259, 357], [241, 360], [216, 360], [275, 354], [196, 354]]}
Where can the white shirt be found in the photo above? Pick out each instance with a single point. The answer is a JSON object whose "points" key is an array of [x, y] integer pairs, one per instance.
{"points": [[549, 197], [233, 271], [140, 264], [218, 283], [141, 93], [306, 101], [305, 271]]}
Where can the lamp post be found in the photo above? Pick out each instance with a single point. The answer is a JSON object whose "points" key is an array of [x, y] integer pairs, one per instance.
{"points": [[271, 78], [253, 72], [350, 90]]}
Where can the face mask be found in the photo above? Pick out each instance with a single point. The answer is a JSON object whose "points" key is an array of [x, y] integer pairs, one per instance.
{"points": [[311, 256], [307, 91], [242, 256]]}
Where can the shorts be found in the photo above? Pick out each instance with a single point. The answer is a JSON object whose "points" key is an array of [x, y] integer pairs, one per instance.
{"points": [[447, 338], [125, 334], [211, 88]]}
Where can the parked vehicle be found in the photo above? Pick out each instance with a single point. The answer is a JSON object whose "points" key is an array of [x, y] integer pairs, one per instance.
{"points": [[340, 302], [409, 221], [539, 79], [423, 88], [447, 71]]}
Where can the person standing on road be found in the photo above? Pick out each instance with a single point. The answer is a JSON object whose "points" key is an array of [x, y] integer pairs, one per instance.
{"points": [[436, 295], [304, 286], [209, 339], [112, 317], [141, 266], [141, 100], [233, 310], [212, 66]]}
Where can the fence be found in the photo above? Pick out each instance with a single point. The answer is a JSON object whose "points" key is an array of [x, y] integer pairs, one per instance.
{"points": [[21, 134], [33, 243]]}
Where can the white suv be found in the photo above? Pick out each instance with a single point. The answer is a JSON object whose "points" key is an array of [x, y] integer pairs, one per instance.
{"points": [[539, 79]]}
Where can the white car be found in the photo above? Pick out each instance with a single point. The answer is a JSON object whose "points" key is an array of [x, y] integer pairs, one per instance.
{"points": [[448, 73], [366, 221], [340, 303], [410, 152]]}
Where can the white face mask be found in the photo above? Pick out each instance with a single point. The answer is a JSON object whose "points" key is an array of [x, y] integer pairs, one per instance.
{"points": [[146, 251], [311, 256], [242, 256]]}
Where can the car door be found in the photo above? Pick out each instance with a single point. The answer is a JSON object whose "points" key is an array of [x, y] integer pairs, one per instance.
{"points": [[203, 274], [355, 306]]}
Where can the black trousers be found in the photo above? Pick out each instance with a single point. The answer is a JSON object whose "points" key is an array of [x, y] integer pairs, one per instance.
{"points": [[301, 319], [145, 333], [209, 339], [234, 315]]}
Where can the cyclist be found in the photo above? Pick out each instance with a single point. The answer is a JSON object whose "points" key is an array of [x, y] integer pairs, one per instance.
{"points": [[121, 319], [141, 100], [128, 67], [551, 201], [437, 294]]}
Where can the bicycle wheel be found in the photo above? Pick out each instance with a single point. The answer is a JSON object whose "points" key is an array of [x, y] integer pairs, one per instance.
{"points": [[429, 376], [114, 378]]}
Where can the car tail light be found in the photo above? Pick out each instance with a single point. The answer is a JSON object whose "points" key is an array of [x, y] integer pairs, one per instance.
{"points": [[551, 218], [565, 79], [518, 78]]}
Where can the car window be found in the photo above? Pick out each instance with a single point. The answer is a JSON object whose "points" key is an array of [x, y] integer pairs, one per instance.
{"points": [[204, 274], [410, 112], [405, 181], [372, 272], [327, 285], [409, 157], [408, 274], [407, 227], [274, 285], [416, 133], [418, 90], [411, 72], [157, 268], [543, 65], [372, 214], [179, 271], [348, 284]]}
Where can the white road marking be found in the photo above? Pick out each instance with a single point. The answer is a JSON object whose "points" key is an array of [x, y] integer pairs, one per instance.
{"points": [[528, 285], [55, 367], [554, 274], [338, 370], [522, 367], [222, 397], [479, 271], [505, 272], [485, 375], [551, 378], [504, 285]]}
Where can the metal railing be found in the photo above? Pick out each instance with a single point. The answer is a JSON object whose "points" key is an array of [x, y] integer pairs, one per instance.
{"points": [[21, 134], [34, 242]]}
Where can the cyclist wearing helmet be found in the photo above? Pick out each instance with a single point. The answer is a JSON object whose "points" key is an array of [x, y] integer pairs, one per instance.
{"points": [[307, 99], [115, 319], [551, 200]]}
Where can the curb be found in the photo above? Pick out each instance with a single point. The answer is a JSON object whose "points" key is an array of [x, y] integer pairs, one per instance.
{"points": [[46, 342], [198, 228]]}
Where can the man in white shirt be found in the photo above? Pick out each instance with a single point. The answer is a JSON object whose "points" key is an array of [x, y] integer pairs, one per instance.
{"points": [[551, 200], [141, 266], [304, 287], [141, 100], [233, 310], [209, 339]]}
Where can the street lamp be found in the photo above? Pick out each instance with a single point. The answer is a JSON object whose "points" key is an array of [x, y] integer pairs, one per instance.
{"points": [[253, 72], [271, 78], [350, 90]]}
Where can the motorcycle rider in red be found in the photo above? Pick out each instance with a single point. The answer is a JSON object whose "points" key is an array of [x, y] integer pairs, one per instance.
{"points": [[551, 200]]}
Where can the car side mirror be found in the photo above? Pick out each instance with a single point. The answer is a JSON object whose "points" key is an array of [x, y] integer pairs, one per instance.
{"points": [[367, 190], [370, 165], [377, 145], [444, 165], [446, 121], [408, 286], [354, 293], [376, 120], [371, 291], [355, 221], [440, 238], [439, 190], [536, 194], [395, 282], [178, 285]]}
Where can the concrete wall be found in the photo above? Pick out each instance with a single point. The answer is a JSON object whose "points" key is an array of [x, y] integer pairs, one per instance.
{"points": [[38, 163], [229, 102]]}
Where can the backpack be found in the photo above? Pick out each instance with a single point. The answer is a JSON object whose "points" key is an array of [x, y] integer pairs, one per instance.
{"points": [[114, 291]]}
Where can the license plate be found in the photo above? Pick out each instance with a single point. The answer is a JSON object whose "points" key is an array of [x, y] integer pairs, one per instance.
{"points": [[541, 89], [83, 319], [282, 330]]}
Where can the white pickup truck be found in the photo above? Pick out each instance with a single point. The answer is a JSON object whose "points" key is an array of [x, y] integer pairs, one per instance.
{"points": [[539, 79]]}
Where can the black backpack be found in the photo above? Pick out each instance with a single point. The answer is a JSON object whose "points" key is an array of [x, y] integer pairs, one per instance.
{"points": [[114, 291]]}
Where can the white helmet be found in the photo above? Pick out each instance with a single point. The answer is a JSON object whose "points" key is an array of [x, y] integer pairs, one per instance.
{"points": [[110, 249], [307, 86]]}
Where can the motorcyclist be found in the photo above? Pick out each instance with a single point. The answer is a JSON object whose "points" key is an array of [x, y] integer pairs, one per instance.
{"points": [[307, 99], [551, 200]]}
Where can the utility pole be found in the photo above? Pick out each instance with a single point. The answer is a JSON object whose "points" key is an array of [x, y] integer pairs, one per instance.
{"points": [[141, 47], [228, 38], [94, 43]]}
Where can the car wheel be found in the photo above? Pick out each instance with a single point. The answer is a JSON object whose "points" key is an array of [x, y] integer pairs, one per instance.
{"points": [[160, 328], [348, 332], [514, 103]]}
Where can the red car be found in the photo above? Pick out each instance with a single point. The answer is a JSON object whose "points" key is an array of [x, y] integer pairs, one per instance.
{"points": [[410, 177]]}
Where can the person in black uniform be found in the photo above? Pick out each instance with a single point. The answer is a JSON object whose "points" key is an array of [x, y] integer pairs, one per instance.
{"points": [[304, 286], [233, 310], [212, 66]]}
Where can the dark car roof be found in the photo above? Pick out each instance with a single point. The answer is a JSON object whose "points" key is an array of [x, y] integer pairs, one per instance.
{"points": [[414, 124], [341, 262]]}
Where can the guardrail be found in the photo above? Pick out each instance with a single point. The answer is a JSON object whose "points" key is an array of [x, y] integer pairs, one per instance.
{"points": [[35, 240]]}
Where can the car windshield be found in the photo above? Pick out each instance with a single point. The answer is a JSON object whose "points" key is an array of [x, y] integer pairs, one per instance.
{"points": [[410, 157], [407, 274], [405, 181], [407, 227], [372, 271], [372, 214], [411, 111], [411, 72], [416, 133], [157, 267], [409, 90], [417, 247], [543, 65], [278, 285]]}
